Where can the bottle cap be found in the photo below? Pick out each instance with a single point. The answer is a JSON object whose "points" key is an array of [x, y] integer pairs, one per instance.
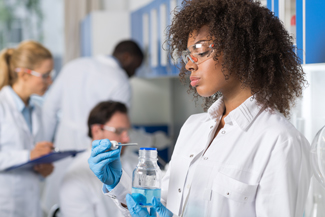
{"points": [[149, 149], [148, 153]]}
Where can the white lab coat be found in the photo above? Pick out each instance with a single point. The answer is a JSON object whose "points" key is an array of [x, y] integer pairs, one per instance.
{"points": [[81, 85], [19, 189], [258, 165], [80, 194]]}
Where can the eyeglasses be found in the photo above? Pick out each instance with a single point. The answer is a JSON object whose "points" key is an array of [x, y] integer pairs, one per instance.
{"points": [[37, 74], [117, 131], [198, 53]]}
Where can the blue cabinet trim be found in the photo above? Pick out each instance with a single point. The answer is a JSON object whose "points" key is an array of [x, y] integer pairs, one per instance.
{"points": [[85, 37]]}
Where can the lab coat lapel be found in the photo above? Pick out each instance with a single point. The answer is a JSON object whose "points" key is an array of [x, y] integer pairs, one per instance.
{"points": [[199, 142], [35, 123], [206, 132], [17, 114]]}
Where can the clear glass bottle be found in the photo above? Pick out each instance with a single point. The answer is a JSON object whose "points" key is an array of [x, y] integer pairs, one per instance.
{"points": [[146, 179]]}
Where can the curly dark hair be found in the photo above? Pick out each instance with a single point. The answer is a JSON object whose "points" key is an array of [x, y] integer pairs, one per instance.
{"points": [[255, 46]]}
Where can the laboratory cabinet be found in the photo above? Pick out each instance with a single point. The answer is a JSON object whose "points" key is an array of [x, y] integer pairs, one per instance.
{"points": [[305, 21], [148, 27]]}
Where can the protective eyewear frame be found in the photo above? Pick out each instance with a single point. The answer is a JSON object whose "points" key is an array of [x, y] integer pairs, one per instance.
{"points": [[117, 131], [36, 74], [196, 57]]}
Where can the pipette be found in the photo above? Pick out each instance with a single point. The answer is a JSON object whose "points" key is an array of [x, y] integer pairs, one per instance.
{"points": [[115, 145]]}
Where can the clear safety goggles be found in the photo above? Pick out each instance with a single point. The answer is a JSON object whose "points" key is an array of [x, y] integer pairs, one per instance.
{"points": [[198, 53], [117, 131], [36, 74]]}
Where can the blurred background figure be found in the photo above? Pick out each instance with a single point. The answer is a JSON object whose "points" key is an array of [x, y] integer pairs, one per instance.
{"points": [[79, 192], [24, 71], [81, 84]]}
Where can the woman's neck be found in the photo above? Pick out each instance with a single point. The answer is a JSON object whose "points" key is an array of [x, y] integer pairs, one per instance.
{"points": [[21, 92], [232, 101]]}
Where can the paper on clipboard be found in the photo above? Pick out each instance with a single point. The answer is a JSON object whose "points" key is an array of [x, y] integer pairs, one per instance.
{"points": [[49, 158]]}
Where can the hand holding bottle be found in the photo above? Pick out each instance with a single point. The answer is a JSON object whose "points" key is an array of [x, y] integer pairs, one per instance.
{"points": [[106, 165], [138, 211]]}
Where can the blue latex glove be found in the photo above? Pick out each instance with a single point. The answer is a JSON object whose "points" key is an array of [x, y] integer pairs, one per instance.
{"points": [[137, 211], [105, 165], [161, 209]]}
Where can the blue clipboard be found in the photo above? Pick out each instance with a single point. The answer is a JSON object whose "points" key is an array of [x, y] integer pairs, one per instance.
{"points": [[49, 158]]}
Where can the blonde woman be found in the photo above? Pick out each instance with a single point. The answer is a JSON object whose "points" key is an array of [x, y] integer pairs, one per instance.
{"points": [[24, 71]]}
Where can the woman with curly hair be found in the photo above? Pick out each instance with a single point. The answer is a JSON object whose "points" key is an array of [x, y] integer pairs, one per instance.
{"points": [[242, 158]]}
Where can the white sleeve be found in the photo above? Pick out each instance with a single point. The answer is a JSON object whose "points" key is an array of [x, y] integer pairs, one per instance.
{"points": [[51, 107], [284, 185], [118, 194], [74, 199]]}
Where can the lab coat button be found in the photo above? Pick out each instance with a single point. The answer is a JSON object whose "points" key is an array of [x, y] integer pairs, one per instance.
{"points": [[223, 132], [179, 190], [211, 127], [205, 158], [228, 193], [245, 198], [191, 155]]}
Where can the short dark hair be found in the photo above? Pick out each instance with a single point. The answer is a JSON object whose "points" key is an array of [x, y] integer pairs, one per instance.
{"points": [[103, 112], [255, 46], [128, 46]]}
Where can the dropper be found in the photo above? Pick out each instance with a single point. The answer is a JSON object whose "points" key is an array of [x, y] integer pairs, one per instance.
{"points": [[115, 145]]}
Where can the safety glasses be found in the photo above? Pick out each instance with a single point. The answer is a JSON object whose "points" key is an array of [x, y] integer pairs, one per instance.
{"points": [[117, 131], [36, 74], [198, 53]]}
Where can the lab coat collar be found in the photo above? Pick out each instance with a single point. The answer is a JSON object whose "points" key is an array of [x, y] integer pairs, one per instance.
{"points": [[216, 109], [20, 105], [243, 115], [17, 112]]}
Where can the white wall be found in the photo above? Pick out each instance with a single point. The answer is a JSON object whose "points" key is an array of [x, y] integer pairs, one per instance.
{"points": [[108, 28], [151, 101], [113, 5], [162, 101], [131, 5], [53, 26], [136, 4], [183, 105]]}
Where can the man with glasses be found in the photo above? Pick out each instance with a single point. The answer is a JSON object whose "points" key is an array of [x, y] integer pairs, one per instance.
{"points": [[80, 194], [80, 85]]}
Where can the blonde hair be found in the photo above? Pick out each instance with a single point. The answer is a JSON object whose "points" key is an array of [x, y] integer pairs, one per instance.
{"points": [[29, 54]]}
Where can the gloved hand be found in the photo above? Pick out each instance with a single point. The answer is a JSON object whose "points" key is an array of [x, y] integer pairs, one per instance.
{"points": [[106, 165], [137, 211], [161, 209]]}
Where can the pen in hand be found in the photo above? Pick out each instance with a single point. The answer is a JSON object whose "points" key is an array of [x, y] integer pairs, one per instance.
{"points": [[55, 149]]}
